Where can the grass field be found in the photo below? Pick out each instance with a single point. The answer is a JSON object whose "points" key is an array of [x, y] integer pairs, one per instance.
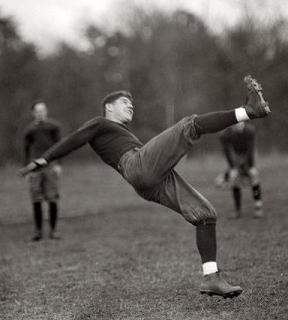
{"points": [[123, 258]]}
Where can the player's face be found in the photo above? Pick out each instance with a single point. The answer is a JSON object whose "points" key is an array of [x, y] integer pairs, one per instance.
{"points": [[40, 112], [122, 110]]}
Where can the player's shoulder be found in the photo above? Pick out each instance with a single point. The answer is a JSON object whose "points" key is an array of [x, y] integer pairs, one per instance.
{"points": [[53, 122], [29, 127], [94, 121]]}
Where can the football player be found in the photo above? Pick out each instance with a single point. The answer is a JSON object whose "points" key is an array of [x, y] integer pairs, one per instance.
{"points": [[149, 168], [39, 136], [238, 144]]}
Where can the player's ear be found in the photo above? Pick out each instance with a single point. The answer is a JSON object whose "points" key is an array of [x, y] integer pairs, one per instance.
{"points": [[109, 107]]}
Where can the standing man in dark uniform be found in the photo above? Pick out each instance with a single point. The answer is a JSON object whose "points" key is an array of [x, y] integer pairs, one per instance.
{"points": [[39, 136], [149, 167], [238, 144]]}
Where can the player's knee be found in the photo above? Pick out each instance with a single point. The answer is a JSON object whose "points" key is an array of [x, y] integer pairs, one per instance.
{"points": [[210, 221], [209, 213], [253, 172], [148, 180], [202, 215], [254, 176]]}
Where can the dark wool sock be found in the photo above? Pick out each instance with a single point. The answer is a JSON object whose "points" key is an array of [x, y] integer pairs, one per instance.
{"points": [[53, 214], [214, 121], [237, 197], [256, 190], [37, 210], [206, 240]]}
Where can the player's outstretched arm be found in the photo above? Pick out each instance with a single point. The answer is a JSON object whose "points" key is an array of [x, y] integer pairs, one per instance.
{"points": [[65, 146]]}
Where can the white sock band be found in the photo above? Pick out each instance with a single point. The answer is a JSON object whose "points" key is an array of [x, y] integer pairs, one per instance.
{"points": [[209, 267], [241, 114]]}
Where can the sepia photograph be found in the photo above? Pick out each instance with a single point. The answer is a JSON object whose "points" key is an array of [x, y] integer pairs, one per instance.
{"points": [[144, 159]]}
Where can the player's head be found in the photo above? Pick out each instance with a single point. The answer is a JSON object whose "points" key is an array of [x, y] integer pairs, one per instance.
{"points": [[39, 110], [117, 106]]}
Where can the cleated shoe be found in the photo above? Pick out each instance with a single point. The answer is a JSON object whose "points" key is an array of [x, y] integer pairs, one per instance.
{"points": [[214, 285], [54, 235], [255, 105], [236, 214], [37, 236]]}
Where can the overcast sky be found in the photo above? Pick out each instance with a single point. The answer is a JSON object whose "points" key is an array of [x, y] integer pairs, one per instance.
{"points": [[45, 22]]}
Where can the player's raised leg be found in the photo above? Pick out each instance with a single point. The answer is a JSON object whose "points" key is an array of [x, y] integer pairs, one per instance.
{"points": [[163, 152], [254, 107]]}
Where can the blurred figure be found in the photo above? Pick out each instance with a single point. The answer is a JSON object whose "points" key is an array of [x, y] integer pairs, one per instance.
{"points": [[238, 144], [39, 136]]}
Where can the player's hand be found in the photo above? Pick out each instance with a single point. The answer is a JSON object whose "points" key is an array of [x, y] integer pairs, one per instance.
{"points": [[253, 171], [254, 175], [233, 174], [27, 169], [32, 166], [57, 170], [222, 180]]}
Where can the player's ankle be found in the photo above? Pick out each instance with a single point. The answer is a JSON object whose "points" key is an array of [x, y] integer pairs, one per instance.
{"points": [[241, 114], [209, 267]]}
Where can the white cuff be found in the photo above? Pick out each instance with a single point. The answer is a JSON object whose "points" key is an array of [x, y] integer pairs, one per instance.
{"points": [[40, 162], [209, 267], [241, 114]]}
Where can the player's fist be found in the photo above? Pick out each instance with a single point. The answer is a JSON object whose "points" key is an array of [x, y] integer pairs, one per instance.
{"points": [[233, 174], [57, 170], [254, 176], [32, 166], [253, 171], [27, 169]]}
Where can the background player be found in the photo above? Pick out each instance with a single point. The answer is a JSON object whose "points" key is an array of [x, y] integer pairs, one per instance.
{"points": [[238, 144], [150, 170], [39, 136]]}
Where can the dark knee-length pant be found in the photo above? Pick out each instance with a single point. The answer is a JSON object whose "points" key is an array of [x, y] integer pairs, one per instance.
{"points": [[150, 170]]}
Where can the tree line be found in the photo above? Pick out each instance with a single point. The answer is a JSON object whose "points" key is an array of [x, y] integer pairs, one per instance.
{"points": [[174, 65]]}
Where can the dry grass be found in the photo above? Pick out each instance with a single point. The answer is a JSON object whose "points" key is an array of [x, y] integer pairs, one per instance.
{"points": [[124, 258]]}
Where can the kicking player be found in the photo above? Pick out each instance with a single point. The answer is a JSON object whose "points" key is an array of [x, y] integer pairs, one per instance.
{"points": [[238, 144], [39, 136], [150, 170]]}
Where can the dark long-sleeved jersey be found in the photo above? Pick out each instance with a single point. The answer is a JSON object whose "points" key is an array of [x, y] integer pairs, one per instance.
{"points": [[40, 136], [109, 139], [239, 143]]}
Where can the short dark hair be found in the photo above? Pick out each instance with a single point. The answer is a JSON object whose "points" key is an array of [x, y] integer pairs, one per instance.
{"points": [[37, 102], [111, 97]]}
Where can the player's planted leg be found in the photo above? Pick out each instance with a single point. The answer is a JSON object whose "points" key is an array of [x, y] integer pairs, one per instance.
{"points": [[256, 192], [37, 210], [53, 220], [237, 197], [213, 283]]}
